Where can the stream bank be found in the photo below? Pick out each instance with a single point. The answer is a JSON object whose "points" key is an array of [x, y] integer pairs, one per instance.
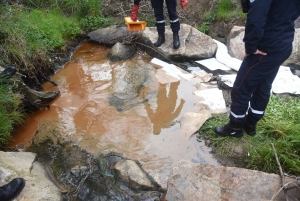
{"points": [[91, 106]]}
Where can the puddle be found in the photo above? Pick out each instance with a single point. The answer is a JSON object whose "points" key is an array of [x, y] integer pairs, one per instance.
{"points": [[101, 111]]}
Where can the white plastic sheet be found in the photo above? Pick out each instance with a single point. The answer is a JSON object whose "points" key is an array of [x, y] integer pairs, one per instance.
{"points": [[213, 99], [172, 69], [213, 64], [286, 82], [223, 57]]}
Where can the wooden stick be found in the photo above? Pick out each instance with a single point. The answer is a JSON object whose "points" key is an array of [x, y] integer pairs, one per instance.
{"points": [[291, 185], [281, 172]]}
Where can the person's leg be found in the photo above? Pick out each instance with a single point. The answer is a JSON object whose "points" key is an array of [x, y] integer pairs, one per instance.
{"points": [[248, 78], [261, 95], [158, 6], [174, 22]]}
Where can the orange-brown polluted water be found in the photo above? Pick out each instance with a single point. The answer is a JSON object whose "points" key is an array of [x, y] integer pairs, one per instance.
{"points": [[148, 130]]}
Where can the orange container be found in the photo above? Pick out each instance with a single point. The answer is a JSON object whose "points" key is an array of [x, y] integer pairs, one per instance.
{"points": [[135, 26]]}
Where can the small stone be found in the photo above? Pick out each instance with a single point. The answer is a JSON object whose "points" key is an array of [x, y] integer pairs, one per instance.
{"points": [[207, 143]]}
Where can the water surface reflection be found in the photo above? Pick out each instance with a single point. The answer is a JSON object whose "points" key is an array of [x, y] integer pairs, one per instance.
{"points": [[143, 126]]}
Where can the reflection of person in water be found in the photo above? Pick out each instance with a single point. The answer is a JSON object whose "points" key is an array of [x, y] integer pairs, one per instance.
{"points": [[166, 110]]}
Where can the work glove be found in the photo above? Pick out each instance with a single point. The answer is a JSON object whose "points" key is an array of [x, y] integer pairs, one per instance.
{"points": [[183, 3], [134, 12]]}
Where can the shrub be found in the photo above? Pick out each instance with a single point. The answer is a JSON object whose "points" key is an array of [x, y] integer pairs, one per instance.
{"points": [[94, 22], [10, 112], [204, 28]]}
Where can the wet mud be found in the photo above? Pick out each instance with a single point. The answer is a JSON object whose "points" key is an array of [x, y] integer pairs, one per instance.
{"points": [[79, 175]]}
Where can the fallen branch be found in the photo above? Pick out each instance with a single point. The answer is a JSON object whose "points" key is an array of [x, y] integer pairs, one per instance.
{"points": [[47, 79], [281, 172], [291, 185], [83, 180]]}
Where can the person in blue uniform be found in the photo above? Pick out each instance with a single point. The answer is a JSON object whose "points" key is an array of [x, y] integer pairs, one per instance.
{"points": [[160, 21], [269, 34]]}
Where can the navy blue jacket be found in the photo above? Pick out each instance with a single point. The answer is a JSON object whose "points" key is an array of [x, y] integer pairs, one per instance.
{"points": [[137, 2], [270, 25]]}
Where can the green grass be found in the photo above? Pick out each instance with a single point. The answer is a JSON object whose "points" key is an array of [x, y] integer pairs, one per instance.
{"points": [[76, 8], [208, 18], [226, 10], [151, 21], [90, 23], [204, 28], [39, 30], [46, 30], [280, 126], [10, 112], [86, 12], [29, 32]]}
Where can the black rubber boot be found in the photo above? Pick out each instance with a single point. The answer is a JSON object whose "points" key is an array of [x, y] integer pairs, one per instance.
{"points": [[176, 42], [249, 129], [8, 72], [12, 189], [161, 39], [229, 130]]}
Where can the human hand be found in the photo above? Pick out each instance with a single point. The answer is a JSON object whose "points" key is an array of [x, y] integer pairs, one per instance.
{"points": [[260, 52], [134, 12], [183, 3], [257, 52]]}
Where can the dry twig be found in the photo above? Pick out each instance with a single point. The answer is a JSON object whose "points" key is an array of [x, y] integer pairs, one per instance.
{"points": [[281, 172]]}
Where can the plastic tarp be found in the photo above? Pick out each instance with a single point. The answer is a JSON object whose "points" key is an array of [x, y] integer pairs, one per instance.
{"points": [[172, 69]]}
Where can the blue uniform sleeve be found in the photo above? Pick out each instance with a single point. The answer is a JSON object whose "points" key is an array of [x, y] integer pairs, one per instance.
{"points": [[256, 19], [137, 2]]}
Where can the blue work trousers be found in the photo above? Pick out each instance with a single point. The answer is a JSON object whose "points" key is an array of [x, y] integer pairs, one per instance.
{"points": [[253, 85], [158, 6]]}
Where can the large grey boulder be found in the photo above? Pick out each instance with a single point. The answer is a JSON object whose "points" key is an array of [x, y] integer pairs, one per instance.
{"points": [[295, 56], [236, 47], [111, 35], [194, 182], [194, 44], [235, 44], [38, 186]]}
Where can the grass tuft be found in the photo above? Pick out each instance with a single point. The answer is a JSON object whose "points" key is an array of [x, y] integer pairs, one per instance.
{"points": [[226, 10], [280, 126], [10, 112]]}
